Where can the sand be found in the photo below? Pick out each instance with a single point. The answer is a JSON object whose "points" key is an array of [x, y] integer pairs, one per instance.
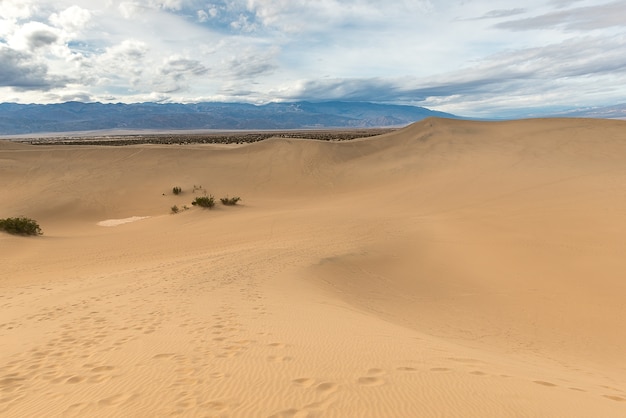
{"points": [[452, 268]]}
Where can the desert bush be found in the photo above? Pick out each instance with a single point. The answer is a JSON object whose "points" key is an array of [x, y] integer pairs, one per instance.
{"points": [[175, 209], [20, 226], [230, 201], [177, 190], [204, 201]]}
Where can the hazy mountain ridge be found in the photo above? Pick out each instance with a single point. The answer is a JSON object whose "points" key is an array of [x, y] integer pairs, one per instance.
{"points": [[608, 112], [78, 116]]}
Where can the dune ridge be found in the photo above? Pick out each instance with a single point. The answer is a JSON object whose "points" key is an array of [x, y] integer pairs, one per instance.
{"points": [[451, 268]]}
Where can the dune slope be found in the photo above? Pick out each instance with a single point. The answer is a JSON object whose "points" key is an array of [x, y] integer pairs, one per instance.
{"points": [[451, 268]]}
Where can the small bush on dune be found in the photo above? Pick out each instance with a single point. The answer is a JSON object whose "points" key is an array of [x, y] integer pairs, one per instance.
{"points": [[204, 201], [20, 226], [177, 190], [230, 201], [175, 209]]}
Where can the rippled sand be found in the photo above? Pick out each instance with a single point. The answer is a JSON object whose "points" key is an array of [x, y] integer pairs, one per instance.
{"points": [[451, 268]]}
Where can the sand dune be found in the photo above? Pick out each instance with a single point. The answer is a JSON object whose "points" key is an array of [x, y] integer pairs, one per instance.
{"points": [[451, 268]]}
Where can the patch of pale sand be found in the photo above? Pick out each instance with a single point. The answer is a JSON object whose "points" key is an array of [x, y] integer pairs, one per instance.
{"points": [[451, 269], [116, 222]]}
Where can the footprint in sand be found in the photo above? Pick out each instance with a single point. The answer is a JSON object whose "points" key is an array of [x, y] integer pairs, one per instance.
{"points": [[373, 378], [465, 360], [98, 378], [278, 359], [216, 406], [478, 373], [370, 381], [75, 379], [542, 383], [304, 382], [164, 355], [102, 369], [327, 387], [112, 400], [288, 413]]}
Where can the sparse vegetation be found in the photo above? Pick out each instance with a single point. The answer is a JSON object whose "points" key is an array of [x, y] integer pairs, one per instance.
{"points": [[230, 201], [20, 226], [216, 138], [204, 201]]}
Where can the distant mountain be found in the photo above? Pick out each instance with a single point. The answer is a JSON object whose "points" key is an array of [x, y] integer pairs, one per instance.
{"points": [[609, 112], [77, 116]]}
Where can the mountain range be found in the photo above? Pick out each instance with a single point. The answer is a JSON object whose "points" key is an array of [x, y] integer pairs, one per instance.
{"points": [[607, 112], [77, 116]]}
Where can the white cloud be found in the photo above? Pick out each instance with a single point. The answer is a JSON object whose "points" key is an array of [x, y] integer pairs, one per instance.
{"points": [[203, 16], [122, 65], [32, 36], [301, 15], [169, 4], [129, 50], [584, 18], [131, 9], [73, 19], [17, 9], [243, 24]]}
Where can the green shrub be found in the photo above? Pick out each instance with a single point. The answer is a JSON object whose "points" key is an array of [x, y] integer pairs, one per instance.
{"points": [[230, 201], [204, 201], [175, 209], [20, 226], [177, 190]]}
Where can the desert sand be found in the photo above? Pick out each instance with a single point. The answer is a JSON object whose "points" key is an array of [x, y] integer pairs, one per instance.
{"points": [[448, 269]]}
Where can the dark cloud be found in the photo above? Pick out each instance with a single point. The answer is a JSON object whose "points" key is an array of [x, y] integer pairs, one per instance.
{"points": [[174, 75], [181, 68], [386, 90], [577, 19], [40, 38], [76, 97], [251, 64], [369, 89], [20, 72]]}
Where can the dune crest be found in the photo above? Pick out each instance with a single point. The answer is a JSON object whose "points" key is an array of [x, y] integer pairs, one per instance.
{"points": [[451, 268]]}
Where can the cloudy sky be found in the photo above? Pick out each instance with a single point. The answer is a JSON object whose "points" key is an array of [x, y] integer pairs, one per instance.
{"points": [[471, 57]]}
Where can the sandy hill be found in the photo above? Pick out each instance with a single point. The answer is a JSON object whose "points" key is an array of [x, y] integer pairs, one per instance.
{"points": [[452, 268]]}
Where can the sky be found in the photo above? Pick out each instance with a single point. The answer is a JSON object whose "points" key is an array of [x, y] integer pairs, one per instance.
{"points": [[475, 58]]}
